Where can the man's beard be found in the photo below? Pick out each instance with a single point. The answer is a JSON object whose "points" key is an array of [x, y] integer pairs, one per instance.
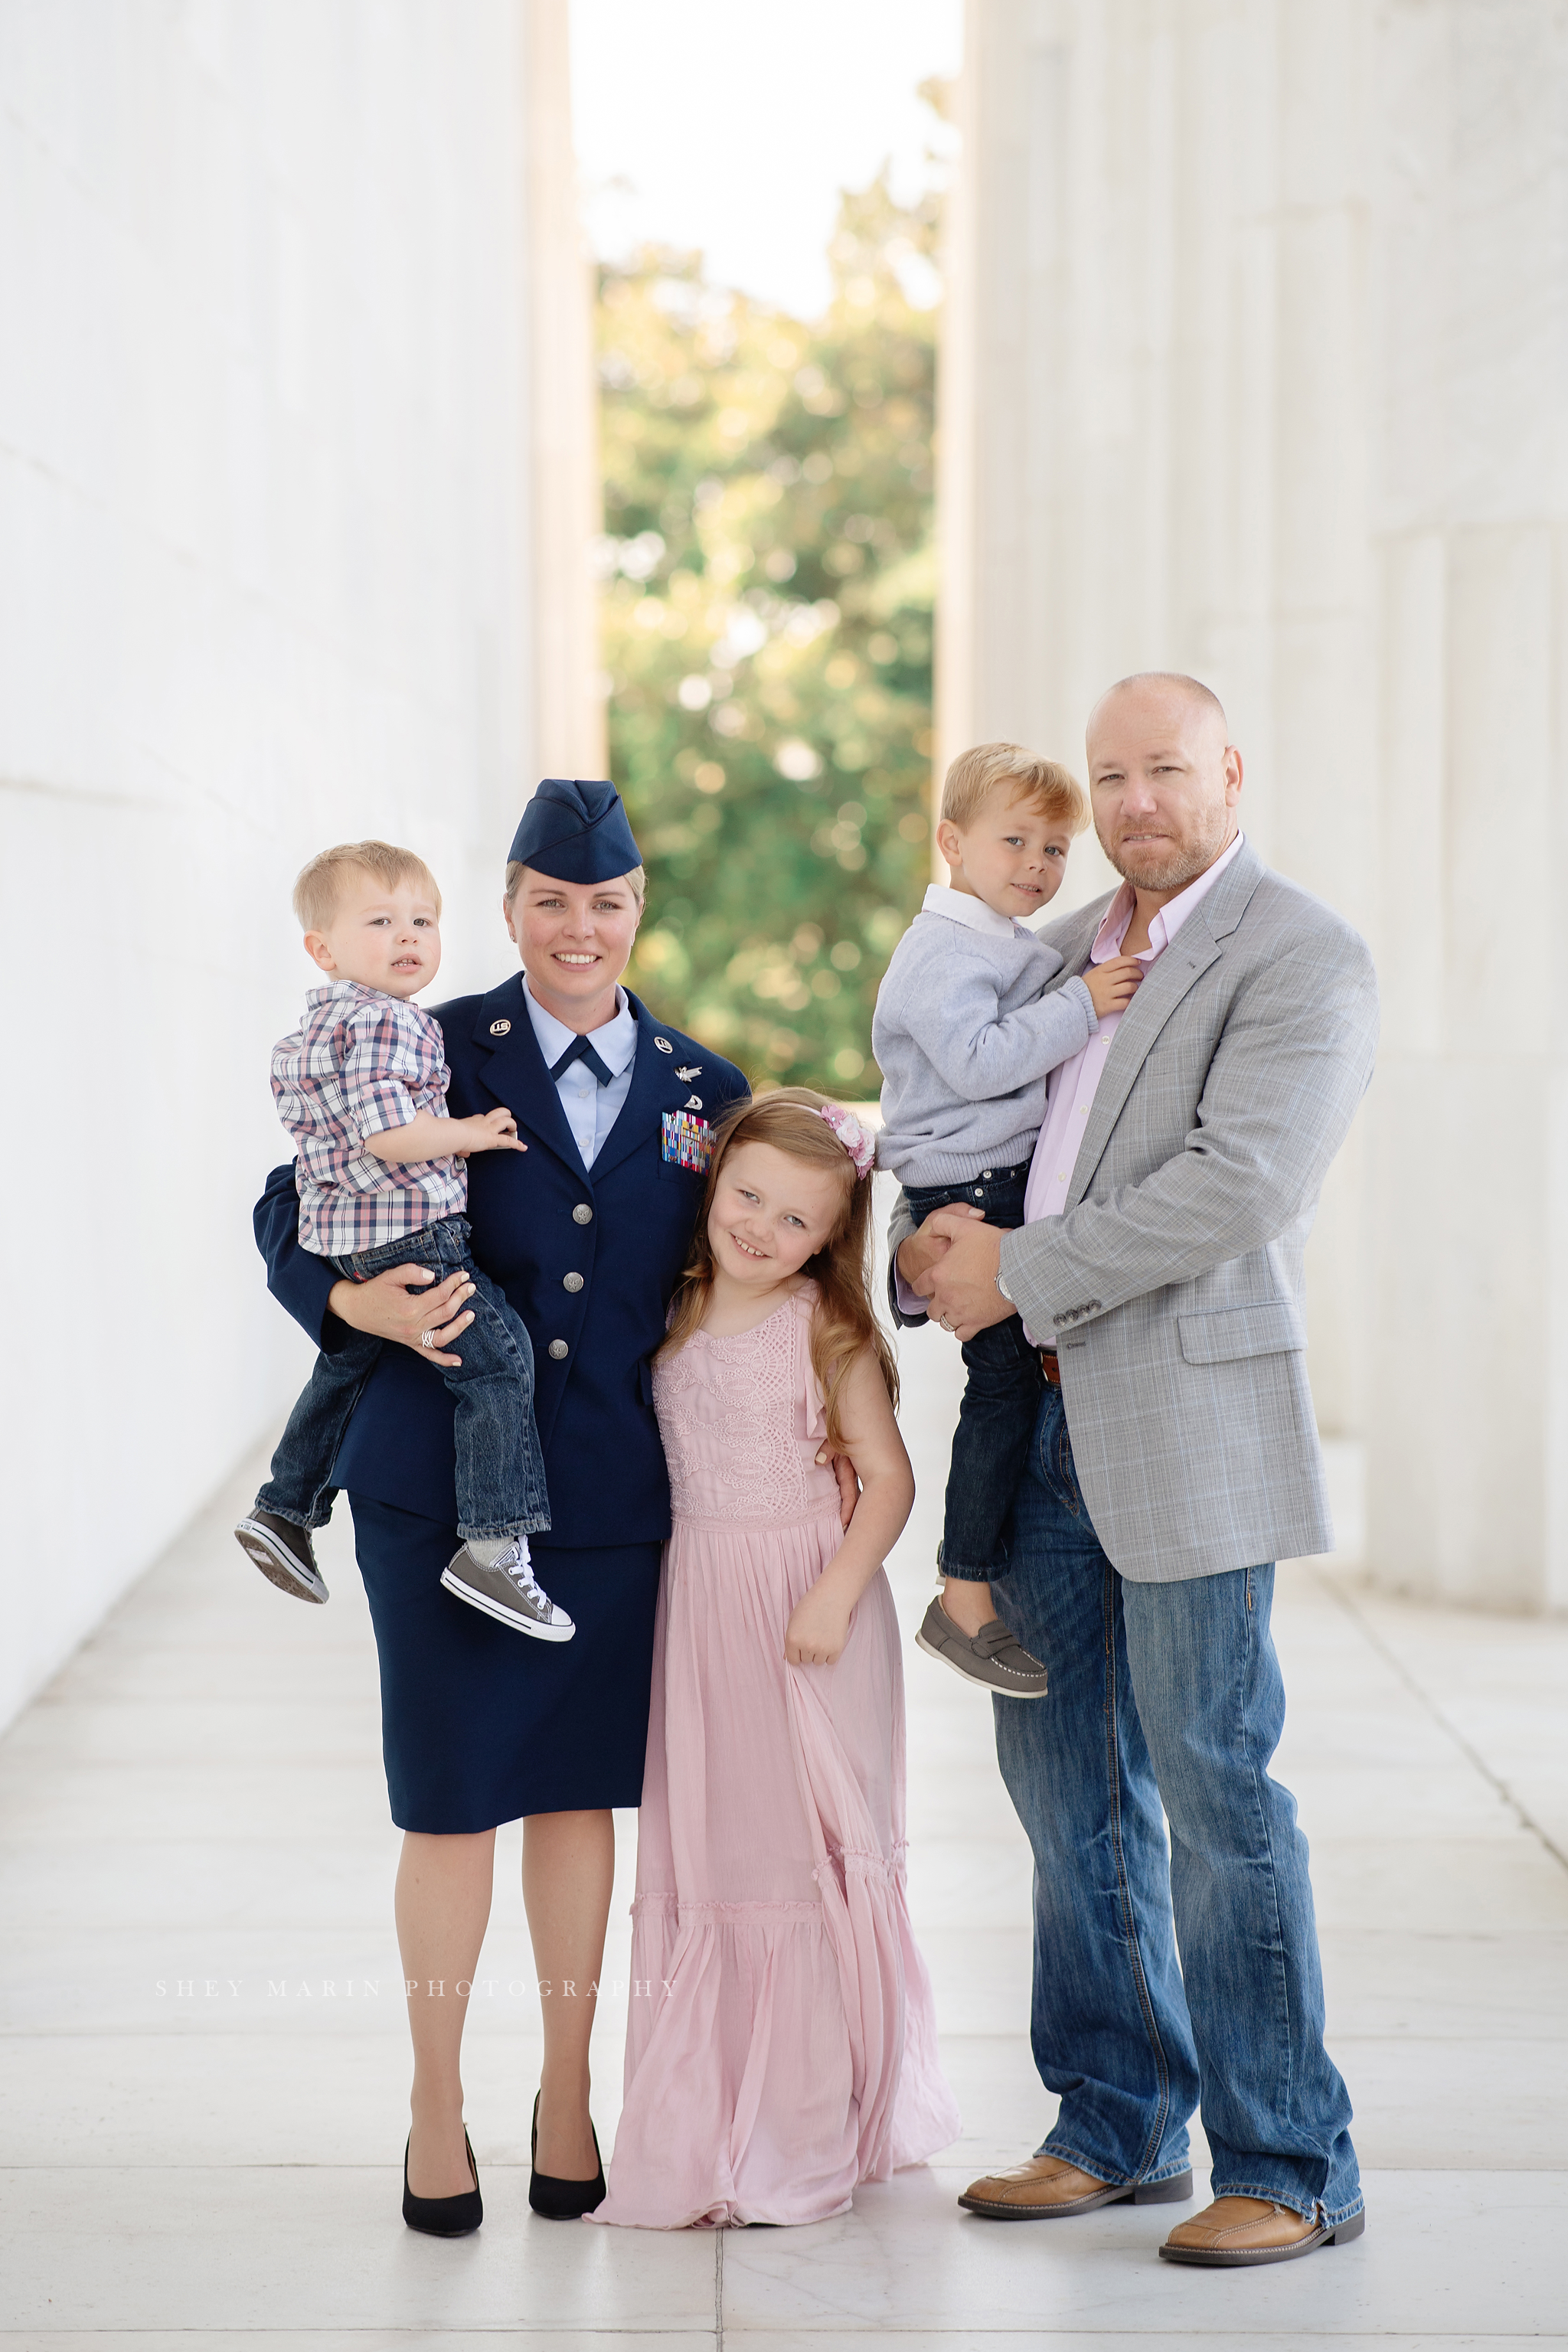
{"points": [[1171, 865]]}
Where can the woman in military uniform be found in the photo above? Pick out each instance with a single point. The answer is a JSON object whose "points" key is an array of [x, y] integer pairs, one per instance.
{"points": [[587, 1233]]}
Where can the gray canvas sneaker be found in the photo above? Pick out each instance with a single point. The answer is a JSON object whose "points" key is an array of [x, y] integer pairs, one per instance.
{"points": [[993, 1658], [284, 1553], [508, 1593]]}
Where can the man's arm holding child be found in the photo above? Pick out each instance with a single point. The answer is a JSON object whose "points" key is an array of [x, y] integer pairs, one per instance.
{"points": [[911, 1255], [1286, 1076]]}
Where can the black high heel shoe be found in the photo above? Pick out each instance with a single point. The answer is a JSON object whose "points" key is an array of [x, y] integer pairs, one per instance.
{"points": [[562, 2200], [444, 2217]]}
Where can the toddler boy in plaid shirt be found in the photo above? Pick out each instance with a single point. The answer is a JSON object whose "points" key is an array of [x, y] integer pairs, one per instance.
{"points": [[362, 1087]]}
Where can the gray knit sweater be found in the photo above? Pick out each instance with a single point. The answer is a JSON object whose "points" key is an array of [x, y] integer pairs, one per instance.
{"points": [[964, 1037]]}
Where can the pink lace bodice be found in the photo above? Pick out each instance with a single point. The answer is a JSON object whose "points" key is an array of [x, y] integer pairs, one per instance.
{"points": [[742, 1420]]}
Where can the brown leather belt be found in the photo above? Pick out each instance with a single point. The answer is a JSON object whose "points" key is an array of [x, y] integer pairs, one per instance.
{"points": [[1050, 1367]]}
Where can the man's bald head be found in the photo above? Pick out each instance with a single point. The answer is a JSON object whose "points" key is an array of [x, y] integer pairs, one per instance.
{"points": [[1163, 778], [1167, 686]]}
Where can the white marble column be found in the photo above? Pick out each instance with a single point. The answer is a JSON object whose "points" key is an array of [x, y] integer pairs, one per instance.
{"points": [[1255, 368], [1155, 446], [292, 550], [1467, 1129]]}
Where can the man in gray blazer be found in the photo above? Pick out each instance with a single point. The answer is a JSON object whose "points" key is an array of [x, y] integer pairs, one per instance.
{"points": [[1176, 1459]]}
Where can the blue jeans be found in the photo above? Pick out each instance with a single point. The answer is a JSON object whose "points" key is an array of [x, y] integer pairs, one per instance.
{"points": [[501, 1471], [1164, 1694], [1001, 1399]]}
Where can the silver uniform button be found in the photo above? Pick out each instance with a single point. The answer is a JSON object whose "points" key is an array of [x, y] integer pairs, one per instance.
{"points": [[570, 1282], [582, 1214], [557, 1349]]}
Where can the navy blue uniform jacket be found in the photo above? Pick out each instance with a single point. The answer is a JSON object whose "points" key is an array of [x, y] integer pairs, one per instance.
{"points": [[603, 1460]]}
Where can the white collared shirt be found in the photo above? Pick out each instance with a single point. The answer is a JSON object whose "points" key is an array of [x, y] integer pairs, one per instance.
{"points": [[591, 1109], [962, 906]]}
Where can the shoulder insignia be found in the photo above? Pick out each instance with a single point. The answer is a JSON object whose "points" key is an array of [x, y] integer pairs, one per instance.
{"points": [[691, 1070], [500, 1028], [664, 1044]]}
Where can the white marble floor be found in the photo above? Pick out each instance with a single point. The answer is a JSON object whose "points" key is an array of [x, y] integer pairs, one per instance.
{"points": [[202, 2090]]}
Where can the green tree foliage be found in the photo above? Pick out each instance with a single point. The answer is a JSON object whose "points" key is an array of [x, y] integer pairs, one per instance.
{"points": [[768, 631]]}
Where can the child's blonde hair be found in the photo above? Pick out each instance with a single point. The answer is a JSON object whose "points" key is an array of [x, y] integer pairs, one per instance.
{"points": [[845, 1323], [320, 885], [979, 772]]}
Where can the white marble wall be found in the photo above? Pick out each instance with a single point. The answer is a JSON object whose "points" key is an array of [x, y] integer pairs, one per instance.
{"points": [[1255, 367], [270, 563]]}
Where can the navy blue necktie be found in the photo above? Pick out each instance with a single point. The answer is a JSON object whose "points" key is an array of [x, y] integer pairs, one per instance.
{"points": [[579, 1050]]}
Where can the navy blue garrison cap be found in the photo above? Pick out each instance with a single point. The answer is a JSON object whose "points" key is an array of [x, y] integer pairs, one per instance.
{"points": [[576, 832]]}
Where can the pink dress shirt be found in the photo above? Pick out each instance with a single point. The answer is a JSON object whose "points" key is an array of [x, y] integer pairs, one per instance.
{"points": [[1071, 1091]]}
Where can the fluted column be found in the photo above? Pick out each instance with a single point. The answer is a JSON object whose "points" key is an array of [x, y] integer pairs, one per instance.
{"points": [[1156, 456], [1468, 1124]]}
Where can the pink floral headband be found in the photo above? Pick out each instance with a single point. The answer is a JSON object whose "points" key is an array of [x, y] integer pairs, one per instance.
{"points": [[860, 1146]]}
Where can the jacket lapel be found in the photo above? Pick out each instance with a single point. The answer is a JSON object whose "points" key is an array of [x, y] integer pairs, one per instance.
{"points": [[1196, 946], [654, 1088], [512, 1067]]}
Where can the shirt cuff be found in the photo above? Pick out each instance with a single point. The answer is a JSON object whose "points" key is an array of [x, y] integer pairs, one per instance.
{"points": [[376, 1110], [911, 1303]]}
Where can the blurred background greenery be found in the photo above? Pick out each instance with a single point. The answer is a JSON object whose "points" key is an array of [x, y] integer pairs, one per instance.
{"points": [[768, 581]]}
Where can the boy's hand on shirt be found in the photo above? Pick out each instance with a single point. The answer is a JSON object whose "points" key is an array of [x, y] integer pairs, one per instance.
{"points": [[818, 1628], [1111, 986], [489, 1130]]}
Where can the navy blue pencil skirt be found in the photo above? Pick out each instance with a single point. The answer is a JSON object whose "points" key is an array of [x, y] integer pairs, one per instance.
{"points": [[480, 1725]]}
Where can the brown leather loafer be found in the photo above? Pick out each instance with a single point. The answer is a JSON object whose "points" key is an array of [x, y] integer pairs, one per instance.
{"points": [[1240, 2232], [1047, 2189]]}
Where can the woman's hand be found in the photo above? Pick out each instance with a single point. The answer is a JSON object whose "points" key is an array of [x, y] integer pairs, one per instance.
{"points": [[843, 1470], [818, 1627], [400, 1305]]}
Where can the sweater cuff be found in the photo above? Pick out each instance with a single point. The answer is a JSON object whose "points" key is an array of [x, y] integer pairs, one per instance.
{"points": [[1082, 997]]}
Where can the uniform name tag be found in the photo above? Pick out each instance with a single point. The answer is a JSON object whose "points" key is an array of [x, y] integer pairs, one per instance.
{"points": [[688, 1140]]}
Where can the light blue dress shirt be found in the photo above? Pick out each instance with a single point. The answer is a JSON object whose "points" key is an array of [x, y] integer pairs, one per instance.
{"points": [[591, 1109]]}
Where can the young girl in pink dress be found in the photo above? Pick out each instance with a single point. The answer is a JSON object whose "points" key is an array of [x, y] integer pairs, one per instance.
{"points": [[782, 2045]]}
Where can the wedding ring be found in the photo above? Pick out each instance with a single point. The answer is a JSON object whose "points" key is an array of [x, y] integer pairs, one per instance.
{"points": [[428, 1338], [944, 1323]]}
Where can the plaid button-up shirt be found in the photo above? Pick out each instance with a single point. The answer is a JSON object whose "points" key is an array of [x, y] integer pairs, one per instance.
{"points": [[361, 1064]]}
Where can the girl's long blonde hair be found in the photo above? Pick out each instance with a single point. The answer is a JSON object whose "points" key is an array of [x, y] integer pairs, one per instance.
{"points": [[845, 1322]]}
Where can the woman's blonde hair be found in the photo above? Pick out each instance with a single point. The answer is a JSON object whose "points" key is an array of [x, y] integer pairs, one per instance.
{"points": [[636, 880], [845, 1323]]}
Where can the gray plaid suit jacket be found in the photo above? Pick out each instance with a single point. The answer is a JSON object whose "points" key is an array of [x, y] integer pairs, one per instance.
{"points": [[1174, 1279]]}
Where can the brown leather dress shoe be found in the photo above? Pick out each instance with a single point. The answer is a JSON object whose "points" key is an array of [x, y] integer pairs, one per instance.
{"points": [[1240, 2232], [1047, 2188]]}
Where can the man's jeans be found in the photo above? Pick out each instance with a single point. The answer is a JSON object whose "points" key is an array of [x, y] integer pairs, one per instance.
{"points": [[1164, 1694], [1001, 1397], [501, 1471]]}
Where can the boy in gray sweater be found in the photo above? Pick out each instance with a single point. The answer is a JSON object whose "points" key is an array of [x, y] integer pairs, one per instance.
{"points": [[967, 1032]]}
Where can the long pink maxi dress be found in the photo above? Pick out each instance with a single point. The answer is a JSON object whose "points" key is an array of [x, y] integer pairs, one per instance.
{"points": [[782, 2042]]}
